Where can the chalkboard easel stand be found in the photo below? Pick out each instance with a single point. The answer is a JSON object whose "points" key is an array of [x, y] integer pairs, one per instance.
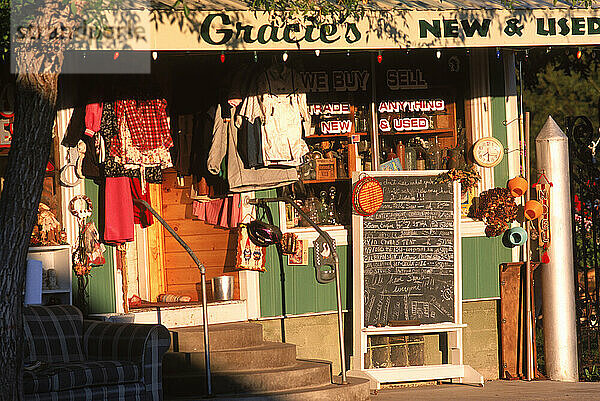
{"points": [[405, 257]]}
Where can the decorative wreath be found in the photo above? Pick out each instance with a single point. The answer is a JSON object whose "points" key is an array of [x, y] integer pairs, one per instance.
{"points": [[81, 206], [496, 208]]}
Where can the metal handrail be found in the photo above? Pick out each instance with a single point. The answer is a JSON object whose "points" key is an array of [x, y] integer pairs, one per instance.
{"points": [[329, 241], [203, 283]]}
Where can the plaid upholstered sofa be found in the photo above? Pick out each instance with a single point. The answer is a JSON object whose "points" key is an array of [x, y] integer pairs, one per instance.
{"points": [[68, 358]]}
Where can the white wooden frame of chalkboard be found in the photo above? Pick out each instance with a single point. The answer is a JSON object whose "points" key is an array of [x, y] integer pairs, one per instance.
{"points": [[454, 369]]}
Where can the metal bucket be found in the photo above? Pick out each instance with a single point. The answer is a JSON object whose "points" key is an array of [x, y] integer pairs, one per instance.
{"points": [[222, 288]]}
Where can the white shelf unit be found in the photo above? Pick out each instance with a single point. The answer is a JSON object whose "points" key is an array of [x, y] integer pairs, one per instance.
{"points": [[56, 257]]}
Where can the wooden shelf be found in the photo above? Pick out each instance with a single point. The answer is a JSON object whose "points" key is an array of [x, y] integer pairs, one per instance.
{"points": [[427, 132], [324, 181], [48, 248], [341, 136], [56, 291]]}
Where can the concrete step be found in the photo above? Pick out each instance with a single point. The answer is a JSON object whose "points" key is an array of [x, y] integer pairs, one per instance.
{"points": [[356, 390], [300, 375], [263, 356], [221, 336]]}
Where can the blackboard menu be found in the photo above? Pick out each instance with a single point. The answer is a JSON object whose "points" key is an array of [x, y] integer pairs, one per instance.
{"points": [[408, 253]]}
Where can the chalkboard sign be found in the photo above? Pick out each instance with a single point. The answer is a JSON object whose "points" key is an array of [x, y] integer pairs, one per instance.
{"points": [[408, 252]]}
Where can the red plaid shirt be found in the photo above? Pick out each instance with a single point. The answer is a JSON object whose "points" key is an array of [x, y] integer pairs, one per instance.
{"points": [[147, 122]]}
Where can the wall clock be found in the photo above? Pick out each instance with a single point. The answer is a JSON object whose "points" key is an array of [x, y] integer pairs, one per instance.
{"points": [[488, 152]]}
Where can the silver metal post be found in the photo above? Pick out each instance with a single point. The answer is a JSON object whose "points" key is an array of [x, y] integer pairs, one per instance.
{"points": [[202, 269], [558, 292], [338, 288], [374, 120], [528, 315], [205, 329]]}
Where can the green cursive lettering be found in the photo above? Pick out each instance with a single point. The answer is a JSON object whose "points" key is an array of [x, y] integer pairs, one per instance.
{"points": [[205, 29]]}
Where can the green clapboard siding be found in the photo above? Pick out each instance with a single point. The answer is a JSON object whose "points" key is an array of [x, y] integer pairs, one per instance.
{"points": [[498, 115], [101, 285], [303, 294], [482, 256], [480, 263]]}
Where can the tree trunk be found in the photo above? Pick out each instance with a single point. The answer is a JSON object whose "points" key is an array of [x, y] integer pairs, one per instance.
{"points": [[35, 110], [39, 55]]}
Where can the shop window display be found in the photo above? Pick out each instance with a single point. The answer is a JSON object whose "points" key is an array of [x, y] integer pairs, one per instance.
{"points": [[413, 119]]}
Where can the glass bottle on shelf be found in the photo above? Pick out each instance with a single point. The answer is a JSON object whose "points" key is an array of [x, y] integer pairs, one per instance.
{"points": [[323, 208], [420, 160], [410, 156], [311, 208], [384, 151], [434, 156], [368, 165], [332, 218], [400, 154], [358, 119]]}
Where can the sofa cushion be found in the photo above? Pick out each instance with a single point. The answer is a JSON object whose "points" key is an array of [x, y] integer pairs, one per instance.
{"points": [[66, 376], [53, 334]]}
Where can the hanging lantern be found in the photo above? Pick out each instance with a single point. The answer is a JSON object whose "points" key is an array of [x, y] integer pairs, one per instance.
{"points": [[517, 186], [367, 196]]}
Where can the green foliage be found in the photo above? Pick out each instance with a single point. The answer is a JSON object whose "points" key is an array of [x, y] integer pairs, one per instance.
{"points": [[591, 374], [560, 85], [319, 11]]}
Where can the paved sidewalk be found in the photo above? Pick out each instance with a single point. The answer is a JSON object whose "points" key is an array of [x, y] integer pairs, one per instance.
{"points": [[495, 390]]}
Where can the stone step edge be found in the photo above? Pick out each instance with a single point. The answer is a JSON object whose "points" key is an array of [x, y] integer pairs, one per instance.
{"points": [[352, 382], [264, 345], [299, 365]]}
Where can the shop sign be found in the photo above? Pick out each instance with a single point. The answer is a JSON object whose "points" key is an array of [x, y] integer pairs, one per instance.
{"points": [[328, 109], [6, 128], [405, 79], [340, 81], [332, 127], [403, 124], [376, 30], [412, 105]]}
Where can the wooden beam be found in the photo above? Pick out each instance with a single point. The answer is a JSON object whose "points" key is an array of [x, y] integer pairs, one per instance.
{"points": [[156, 245]]}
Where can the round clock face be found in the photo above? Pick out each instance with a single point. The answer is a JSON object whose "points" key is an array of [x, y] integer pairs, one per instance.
{"points": [[488, 152]]}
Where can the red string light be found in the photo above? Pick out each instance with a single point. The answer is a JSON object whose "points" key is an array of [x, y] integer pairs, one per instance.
{"points": [[222, 57]]}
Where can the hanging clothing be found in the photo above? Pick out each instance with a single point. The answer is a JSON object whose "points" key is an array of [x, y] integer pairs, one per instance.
{"points": [[147, 123], [143, 138], [118, 211], [109, 130], [281, 105], [141, 215], [240, 178], [93, 116], [184, 131], [90, 166], [224, 212], [75, 128]]}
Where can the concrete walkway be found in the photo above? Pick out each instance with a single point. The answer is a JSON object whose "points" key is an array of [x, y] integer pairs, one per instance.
{"points": [[495, 390]]}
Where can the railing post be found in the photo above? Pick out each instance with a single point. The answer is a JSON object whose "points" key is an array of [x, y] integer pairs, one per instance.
{"points": [[203, 284], [338, 287]]}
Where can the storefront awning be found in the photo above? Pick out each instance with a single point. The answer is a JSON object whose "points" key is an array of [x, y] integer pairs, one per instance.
{"points": [[225, 25]]}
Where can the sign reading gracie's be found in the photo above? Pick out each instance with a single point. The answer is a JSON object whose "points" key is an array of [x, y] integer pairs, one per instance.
{"points": [[246, 30]]}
